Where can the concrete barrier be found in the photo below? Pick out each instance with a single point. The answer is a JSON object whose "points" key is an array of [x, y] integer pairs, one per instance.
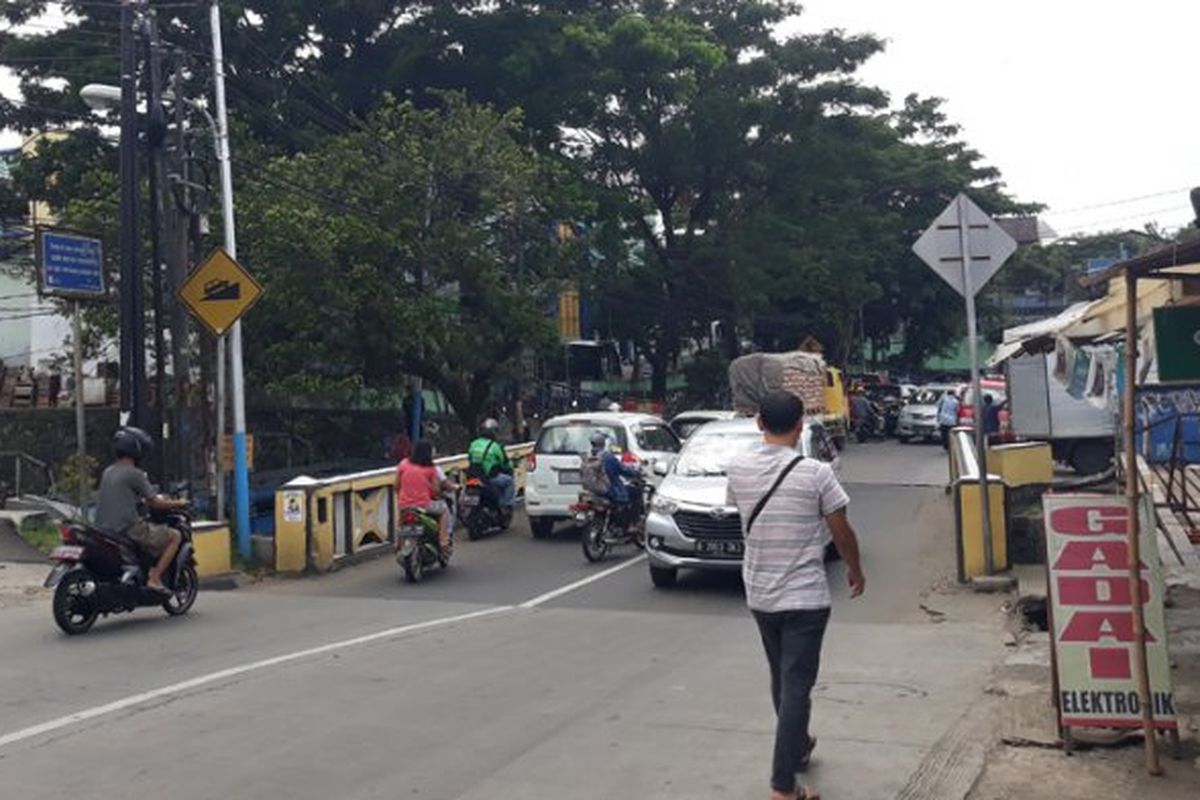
{"points": [[968, 515], [214, 550], [319, 523]]}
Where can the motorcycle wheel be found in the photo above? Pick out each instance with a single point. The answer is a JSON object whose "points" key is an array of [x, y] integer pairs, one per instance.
{"points": [[476, 524], [186, 588], [862, 435], [74, 613], [414, 566], [595, 543]]}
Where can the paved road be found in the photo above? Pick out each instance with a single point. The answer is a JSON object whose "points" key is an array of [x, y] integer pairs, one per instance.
{"points": [[483, 682]]}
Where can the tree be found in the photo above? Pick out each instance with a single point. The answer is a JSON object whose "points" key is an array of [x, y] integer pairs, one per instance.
{"points": [[421, 245]]}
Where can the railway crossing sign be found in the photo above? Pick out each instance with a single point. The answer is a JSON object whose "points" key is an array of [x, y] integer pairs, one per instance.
{"points": [[942, 245], [219, 292]]}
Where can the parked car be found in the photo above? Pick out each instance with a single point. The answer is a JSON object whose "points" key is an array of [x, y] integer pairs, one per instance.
{"points": [[918, 417], [552, 480], [690, 524], [689, 422]]}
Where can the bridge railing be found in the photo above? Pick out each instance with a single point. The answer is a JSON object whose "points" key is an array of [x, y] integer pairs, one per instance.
{"points": [[321, 522]]}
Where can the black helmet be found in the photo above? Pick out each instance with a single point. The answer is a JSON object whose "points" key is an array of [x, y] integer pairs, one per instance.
{"points": [[132, 443]]}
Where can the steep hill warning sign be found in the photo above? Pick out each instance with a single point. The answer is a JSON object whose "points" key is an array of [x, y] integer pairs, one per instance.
{"points": [[1091, 611]]}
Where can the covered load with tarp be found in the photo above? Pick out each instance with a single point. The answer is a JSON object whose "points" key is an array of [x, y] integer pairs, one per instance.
{"points": [[802, 374]]}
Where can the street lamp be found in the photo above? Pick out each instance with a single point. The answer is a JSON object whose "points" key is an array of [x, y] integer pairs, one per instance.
{"points": [[101, 97]]}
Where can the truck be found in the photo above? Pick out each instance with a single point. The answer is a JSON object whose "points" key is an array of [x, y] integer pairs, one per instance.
{"points": [[1080, 434]]}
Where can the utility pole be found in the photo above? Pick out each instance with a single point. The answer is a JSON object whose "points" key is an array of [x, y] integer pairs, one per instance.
{"points": [[156, 132], [133, 349], [241, 473], [179, 255]]}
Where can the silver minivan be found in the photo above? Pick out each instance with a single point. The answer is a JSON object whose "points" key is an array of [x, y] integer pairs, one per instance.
{"points": [[553, 480], [690, 524]]}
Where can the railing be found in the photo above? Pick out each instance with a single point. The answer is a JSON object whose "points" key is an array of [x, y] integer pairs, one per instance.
{"points": [[965, 486], [319, 523], [22, 463]]}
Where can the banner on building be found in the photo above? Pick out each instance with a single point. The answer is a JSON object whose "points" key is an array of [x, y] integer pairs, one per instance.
{"points": [[1091, 614]]}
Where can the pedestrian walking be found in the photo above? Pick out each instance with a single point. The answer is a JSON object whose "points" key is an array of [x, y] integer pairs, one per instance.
{"points": [[783, 498], [947, 414]]}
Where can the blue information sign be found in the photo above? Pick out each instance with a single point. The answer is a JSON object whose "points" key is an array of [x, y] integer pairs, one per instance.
{"points": [[69, 264]]}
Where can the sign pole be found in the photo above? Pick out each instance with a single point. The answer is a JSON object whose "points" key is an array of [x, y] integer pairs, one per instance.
{"points": [[80, 428], [1134, 526], [241, 474], [964, 237]]}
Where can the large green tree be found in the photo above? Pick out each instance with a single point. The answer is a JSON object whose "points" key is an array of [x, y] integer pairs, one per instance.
{"points": [[420, 245]]}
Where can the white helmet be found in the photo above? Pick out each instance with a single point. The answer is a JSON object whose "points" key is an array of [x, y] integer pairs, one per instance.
{"points": [[490, 426]]}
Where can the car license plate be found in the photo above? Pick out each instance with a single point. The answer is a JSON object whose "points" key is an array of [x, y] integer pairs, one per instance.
{"points": [[719, 547], [569, 476]]}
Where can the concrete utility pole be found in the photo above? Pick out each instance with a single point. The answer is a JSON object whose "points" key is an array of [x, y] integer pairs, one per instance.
{"points": [[133, 347], [156, 133], [241, 473]]}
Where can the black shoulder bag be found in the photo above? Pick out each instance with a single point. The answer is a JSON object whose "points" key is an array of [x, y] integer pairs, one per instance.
{"points": [[762, 501]]}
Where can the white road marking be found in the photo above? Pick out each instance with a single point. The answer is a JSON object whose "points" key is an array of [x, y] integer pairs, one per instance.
{"points": [[233, 672], [133, 701], [542, 599]]}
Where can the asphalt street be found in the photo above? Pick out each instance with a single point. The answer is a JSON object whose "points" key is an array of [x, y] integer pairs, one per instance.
{"points": [[522, 672]]}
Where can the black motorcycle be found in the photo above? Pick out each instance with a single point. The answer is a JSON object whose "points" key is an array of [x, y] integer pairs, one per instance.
{"points": [[607, 525], [870, 425], [479, 509], [98, 573]]}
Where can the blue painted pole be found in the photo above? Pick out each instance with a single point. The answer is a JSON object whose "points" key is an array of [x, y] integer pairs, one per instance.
{"points": [[241, 493]]}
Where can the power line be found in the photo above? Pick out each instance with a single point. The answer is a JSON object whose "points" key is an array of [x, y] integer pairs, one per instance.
{"points": [[1120, 202], [1141, 215]]}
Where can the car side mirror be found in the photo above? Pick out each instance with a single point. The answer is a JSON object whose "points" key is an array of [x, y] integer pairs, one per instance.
{"points": [[660, 468]]}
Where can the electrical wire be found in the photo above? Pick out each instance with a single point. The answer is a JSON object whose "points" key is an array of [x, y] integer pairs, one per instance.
{"points": [[1120, 202]]}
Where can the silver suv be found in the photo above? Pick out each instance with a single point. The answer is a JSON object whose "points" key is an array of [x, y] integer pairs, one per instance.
{"points": [[690, 524]]}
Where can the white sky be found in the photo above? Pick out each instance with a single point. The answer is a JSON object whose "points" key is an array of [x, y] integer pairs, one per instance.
{"points": [[1079, 104]]}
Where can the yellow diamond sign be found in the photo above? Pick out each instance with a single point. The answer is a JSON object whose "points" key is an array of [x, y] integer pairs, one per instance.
{"points": [[219, 292]]}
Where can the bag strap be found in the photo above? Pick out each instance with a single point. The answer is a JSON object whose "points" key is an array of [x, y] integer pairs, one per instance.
{"points": [[762, 501]]}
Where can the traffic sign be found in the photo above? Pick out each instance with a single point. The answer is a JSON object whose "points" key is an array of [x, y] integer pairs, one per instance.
{"points": [[69, 264], [219, 292], [941, 246]]}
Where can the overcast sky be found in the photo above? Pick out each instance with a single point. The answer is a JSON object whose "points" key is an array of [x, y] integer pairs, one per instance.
{"points": [[1081, 105]]}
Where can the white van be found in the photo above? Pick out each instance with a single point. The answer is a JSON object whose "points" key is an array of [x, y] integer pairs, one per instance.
{"points": [[552, 482]]}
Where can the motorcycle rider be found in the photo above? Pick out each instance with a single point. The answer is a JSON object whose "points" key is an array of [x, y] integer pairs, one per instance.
{"points": [[122, 486], [618, 489], [420, 484], [488, 459]]}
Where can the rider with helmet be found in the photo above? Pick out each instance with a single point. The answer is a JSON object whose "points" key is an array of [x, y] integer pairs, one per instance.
{"points": [[122, 487], [618, 489], [489, 460]]}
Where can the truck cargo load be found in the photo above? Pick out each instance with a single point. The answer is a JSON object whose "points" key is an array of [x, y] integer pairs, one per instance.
{"points": [[802, 374]]}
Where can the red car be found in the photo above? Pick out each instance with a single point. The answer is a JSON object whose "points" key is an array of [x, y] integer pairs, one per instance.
{"points": [[995, 388]]}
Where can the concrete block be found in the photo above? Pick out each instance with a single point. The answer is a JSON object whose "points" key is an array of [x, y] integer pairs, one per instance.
{"points": [[993, 584]]}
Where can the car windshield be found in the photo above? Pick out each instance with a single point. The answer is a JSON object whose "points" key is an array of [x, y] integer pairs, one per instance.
{"points": [[657, 439], [686, 427], [926, 397], [575, 438], [710, 453]]}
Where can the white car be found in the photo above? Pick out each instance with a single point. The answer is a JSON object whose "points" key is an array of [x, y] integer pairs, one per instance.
{"points": [[690, 524], [689, 422], [552, 482]]}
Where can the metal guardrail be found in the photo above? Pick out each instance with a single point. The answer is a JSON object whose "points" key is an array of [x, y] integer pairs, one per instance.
{"points": [[321, 522], [19, 460]]}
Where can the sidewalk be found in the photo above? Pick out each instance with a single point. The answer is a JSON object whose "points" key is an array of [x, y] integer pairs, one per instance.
{"points": [[21, 583], [1024, 760]]}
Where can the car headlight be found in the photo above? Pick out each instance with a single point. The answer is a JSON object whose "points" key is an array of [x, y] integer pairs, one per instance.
{"points": [[663, 505]]}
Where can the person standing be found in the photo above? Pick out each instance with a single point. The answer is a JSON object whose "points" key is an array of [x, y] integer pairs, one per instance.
{"points": [[785, 501], [947, 415]]}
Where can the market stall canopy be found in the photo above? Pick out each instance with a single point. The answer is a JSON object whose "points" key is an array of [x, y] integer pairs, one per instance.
{"points": [[1016, 339]]}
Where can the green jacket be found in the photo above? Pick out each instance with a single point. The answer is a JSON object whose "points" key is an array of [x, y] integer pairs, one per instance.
{"points": [[489, 455]]}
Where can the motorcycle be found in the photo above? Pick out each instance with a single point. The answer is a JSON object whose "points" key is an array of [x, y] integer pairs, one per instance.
{"points": [[480, 511], [417, 544], [98, 573], [606, 524], [870, 425]]}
